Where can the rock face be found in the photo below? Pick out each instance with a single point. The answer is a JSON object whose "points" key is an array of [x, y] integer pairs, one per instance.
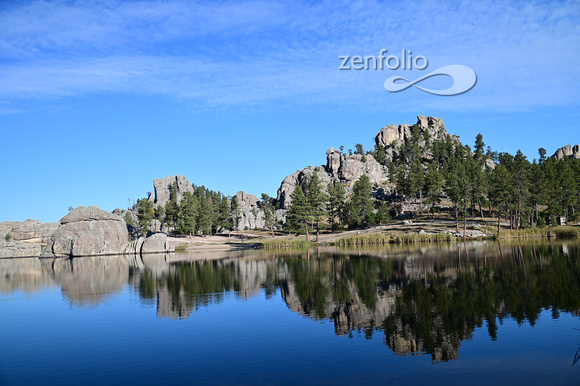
{"points": [[568, 151], [156, 243], [29, 230], [163, 187], [23, 239], [88, 232], [392, 137], [346, 169], [251, 216], [18, 249]]}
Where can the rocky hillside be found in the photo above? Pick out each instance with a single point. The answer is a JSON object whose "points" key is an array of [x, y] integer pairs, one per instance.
{"points": [[347, 169]]}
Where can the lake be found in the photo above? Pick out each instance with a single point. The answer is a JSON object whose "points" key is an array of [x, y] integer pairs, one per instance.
{"points": [[477, 312]]}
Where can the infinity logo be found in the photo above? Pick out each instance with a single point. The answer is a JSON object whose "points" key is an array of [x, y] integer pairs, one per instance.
{"points": [[464, 79]]}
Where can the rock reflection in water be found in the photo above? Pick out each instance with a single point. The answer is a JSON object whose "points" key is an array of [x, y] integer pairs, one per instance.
{"points": [[424, 300]]}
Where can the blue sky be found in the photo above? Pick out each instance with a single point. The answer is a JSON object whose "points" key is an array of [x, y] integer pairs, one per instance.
{"points": [[98, 98]]}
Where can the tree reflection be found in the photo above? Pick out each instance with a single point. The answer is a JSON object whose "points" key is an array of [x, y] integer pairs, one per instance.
{"points": [[425, 300]]}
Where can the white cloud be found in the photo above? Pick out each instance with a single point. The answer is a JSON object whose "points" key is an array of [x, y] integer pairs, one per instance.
{"points": [[238, 54]]}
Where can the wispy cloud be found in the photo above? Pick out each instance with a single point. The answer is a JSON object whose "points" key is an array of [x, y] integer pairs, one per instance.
{"points": [[235, 54]]}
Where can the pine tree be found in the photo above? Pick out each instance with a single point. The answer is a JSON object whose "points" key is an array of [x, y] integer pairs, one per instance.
{"points": [[336, 202], [298, 215], [361, 202], [234, 212], [501, 191], [433, 186], [316, 198], [145, 214], [188, 214], [521, 181], [172, 208], [266, 204]]}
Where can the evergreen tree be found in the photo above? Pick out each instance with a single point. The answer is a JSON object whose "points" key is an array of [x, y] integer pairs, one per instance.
{"points": [[298, 215], [234, 212], [521, 181], [501, 191], [160, 214], [361, 202], [316, 198], [336, 202], [144, 214], [379, 154], [172, 208], [433, 186], [383, 214], [188, 214], [266, 204]]}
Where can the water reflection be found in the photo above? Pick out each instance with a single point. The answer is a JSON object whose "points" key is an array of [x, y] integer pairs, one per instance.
{"points": [[423, 300]]}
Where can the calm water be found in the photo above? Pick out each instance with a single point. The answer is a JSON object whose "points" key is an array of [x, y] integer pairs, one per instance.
{"points": [[476, 313]]}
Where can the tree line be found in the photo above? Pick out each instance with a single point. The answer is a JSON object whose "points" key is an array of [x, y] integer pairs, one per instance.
{"points": [[526, 193], [202, 212], [427, 171], [311, 208]]}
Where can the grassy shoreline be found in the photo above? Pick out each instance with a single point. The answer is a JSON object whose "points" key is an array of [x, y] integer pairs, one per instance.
{"points": [[395, 237]]}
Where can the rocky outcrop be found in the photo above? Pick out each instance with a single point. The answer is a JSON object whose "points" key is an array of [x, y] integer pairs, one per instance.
{"points": [[392, 137], [568, 151], [30, 230], [347, 169], [88, 232], [250, 215], [163, 186], [18, 249], [24, 239], [156, 243]]}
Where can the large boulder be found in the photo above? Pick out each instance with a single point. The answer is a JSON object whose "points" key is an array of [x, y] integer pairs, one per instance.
{"points": [[88, 232], [156, 243]]}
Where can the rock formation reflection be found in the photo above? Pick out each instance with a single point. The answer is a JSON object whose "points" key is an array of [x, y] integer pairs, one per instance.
{"points": [[424, 300]]}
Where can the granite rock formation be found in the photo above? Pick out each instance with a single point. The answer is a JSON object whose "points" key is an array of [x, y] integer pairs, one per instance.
{"points": [[347, 169], [24, 239], [33, 231], [568, 151], [250, 215], [88, 232], [156, 243], [392, 137], [18, 249], [163, 186]]}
